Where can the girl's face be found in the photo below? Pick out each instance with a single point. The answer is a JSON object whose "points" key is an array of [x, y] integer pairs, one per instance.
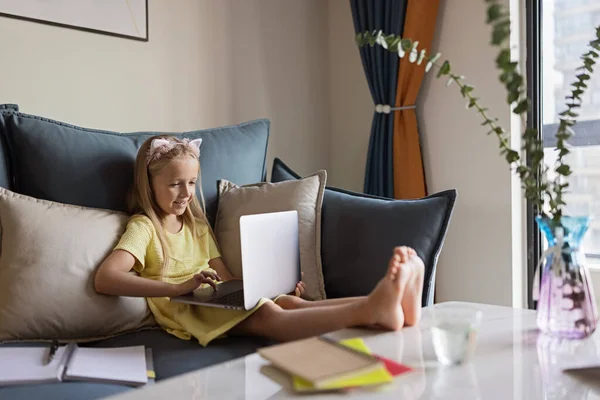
{"points": [[175, 185]]}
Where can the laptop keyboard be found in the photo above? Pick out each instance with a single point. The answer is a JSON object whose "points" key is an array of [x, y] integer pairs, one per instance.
{"points": [[231, 299]]}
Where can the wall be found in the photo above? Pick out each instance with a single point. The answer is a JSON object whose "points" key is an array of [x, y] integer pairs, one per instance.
{"points": [[208, 63], [477, 260], [350, 103]]}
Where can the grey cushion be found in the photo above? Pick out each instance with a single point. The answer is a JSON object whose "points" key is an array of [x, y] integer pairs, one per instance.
{"points": [[68, 164], [5, 179], [359, 232]]}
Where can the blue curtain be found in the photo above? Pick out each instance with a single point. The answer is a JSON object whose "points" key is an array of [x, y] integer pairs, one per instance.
{"points": [[381, 70]]}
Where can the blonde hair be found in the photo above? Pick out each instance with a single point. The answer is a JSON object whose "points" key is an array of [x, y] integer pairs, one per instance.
{"points": [[142, 200]]}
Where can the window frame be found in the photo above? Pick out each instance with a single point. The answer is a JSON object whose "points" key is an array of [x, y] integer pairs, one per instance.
{"points": [[533, 15], [586, 131]]}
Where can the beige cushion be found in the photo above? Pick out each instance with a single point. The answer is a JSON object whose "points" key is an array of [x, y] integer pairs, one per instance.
{"points": [[49, 255], [304, 195]]}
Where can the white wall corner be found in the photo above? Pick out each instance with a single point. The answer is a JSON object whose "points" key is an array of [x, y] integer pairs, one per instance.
{"points": [[518, 45]]}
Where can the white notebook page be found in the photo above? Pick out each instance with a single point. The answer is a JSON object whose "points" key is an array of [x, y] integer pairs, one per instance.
{"points": [[121, 364], [19, 365]]}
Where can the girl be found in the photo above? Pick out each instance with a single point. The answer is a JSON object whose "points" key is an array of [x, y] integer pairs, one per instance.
{"points": [[170, 245]]}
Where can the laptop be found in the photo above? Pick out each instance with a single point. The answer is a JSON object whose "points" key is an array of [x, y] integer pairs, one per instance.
{"points": [[270, 264]]}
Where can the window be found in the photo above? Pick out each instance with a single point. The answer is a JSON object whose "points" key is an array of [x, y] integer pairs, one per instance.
{"points": [[567, 27]]}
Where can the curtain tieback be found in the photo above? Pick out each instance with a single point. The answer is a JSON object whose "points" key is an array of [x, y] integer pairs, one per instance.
{"points": [[386, 108]]}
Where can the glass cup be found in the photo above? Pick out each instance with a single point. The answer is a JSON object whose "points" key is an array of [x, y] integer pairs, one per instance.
{"points": [[454, 332]]}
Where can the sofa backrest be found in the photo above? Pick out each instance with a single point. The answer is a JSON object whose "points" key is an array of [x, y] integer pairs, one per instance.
{"points": [[56, 161]]}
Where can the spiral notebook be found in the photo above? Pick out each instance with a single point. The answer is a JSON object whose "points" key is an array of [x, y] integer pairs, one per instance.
{"points": [[130, 366]]}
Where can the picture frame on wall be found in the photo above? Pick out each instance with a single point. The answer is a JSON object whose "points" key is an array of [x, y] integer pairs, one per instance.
{"points": [[121, 18]]}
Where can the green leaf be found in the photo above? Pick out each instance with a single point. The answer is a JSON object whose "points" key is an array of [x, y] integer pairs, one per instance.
{"points": [[393, 44], [522, 107], [530, 133], [515, 83], [563, 152], [500, 34], [505, 76], [563, 170], [512, 97], [568, 113], [406, 44], [494, 12], [472, 102], [371, 40], [503, 58], [465, 90], [583, 77], [444, 69], [512, 156], [359, 40]]}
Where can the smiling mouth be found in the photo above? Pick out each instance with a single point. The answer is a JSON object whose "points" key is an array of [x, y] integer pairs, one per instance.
{"points": [[180, 203]]}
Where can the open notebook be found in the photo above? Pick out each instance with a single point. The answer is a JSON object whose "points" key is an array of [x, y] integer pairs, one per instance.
{"points": [[120, 365]]}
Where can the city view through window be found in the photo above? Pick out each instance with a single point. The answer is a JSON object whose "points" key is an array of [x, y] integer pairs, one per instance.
{"points": [[568, 25]]}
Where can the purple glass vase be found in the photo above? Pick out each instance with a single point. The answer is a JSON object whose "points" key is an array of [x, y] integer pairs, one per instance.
{"points": [[566, 306]]}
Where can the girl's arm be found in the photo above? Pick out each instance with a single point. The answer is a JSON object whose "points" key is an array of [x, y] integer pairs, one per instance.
{"points": [[113, 278], [219, 266]]}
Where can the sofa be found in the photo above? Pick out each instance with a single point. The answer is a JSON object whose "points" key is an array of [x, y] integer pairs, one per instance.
{"points": [[50, 162]]}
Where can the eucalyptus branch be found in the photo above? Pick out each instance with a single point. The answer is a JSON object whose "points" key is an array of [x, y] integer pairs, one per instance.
{"points": [[394, 43], [514, 83], [533, 177], [567, 120]]}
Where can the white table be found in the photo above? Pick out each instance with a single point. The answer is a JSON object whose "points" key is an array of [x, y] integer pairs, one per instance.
{"points": [[511, 361]]}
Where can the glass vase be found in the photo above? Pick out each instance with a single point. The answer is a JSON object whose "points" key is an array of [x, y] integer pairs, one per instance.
{"points": [[566, 306]]}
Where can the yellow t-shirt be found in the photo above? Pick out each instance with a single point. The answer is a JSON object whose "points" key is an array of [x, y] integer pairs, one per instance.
{"points": [[188, 256]]}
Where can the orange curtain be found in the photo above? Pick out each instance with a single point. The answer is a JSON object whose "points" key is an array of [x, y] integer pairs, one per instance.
{"points": [[409, 178]]}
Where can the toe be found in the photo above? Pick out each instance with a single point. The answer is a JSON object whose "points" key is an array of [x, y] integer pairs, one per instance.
{"points": [[404, 254]]}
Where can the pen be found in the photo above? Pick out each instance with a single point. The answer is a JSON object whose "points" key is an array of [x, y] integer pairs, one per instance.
{"points": [[52, 352]]}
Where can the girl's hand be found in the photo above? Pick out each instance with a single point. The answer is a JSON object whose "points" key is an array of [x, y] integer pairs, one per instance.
{"points": [[300, 288], [194, 283]]}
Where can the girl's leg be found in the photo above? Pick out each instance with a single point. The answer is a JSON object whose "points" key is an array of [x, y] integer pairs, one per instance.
{"points": [[382, 307], [289, 302], [411, 300]]}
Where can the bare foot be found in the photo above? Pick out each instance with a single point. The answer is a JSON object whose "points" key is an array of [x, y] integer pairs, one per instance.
{"points": [[384, 302], [411, 300]]}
